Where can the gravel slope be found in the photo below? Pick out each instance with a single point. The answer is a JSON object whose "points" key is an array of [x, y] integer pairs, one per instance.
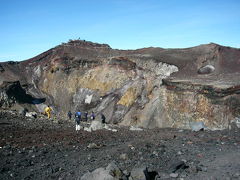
{"points": [[47, 149]]}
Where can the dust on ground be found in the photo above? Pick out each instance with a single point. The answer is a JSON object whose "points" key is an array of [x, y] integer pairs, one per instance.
{"points": [[46, 149]]}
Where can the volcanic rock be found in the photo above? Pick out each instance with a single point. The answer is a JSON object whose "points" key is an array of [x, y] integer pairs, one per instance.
{"points": [[111, 172], [148, 87]]}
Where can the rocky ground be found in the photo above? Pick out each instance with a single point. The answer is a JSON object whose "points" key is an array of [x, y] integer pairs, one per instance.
{"points": [[50, 149]]}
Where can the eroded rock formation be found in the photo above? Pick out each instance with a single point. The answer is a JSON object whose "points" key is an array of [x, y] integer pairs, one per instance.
{"points": [[149, 87]]}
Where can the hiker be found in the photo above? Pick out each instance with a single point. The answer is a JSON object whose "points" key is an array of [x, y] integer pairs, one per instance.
{"points": [[78, 119], [48, 111], [92, 116], [103, 118], [86, 116], [69, 115]]}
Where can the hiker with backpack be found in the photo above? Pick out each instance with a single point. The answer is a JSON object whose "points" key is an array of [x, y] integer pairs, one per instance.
{"points": [[77, 120], [48, 111], [103, 118], [86, 116], [92, 116], [69, 114]]}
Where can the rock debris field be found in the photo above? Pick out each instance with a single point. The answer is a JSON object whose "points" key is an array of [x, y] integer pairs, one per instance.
{"points": [[51, 149]]}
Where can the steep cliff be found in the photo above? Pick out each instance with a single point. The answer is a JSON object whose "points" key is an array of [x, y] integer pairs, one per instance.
{"points": [[149, 87]]}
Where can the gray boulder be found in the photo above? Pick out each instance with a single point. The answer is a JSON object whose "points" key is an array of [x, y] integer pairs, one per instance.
{"points": [[197, 126], [111, 172], [138, 173], [206, 69]]}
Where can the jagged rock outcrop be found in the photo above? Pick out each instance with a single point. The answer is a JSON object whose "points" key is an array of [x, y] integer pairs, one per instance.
{"points": [[12, 93], [149, 87]]}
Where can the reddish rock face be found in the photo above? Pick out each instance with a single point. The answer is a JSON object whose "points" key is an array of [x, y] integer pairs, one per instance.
{"points": [[149, 87]]}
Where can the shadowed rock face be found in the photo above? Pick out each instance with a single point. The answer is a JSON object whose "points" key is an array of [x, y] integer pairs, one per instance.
{"points": [[149, 87]]}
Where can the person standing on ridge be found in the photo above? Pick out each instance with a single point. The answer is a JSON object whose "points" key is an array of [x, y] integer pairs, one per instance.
{"points": [[47, 111]]}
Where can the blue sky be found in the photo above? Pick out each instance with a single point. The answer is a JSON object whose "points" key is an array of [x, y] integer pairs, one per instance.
{"points": [[28, 27]]}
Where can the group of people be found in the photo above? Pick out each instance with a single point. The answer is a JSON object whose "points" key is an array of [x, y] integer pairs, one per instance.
{"points": [[79, 116]]}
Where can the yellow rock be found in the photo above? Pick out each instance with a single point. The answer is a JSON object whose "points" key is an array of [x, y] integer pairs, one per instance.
{"points": [[129, 97]]}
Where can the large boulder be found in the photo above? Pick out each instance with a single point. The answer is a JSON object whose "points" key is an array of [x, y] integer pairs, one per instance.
{"points": [[96, 125], [111, 172], [206, 69], [197, 126]]}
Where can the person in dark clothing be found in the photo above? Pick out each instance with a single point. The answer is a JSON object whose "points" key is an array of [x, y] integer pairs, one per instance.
{"points": [[69, 115], [78, 119], [92, 116], [86, 116], [103, 118]]}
